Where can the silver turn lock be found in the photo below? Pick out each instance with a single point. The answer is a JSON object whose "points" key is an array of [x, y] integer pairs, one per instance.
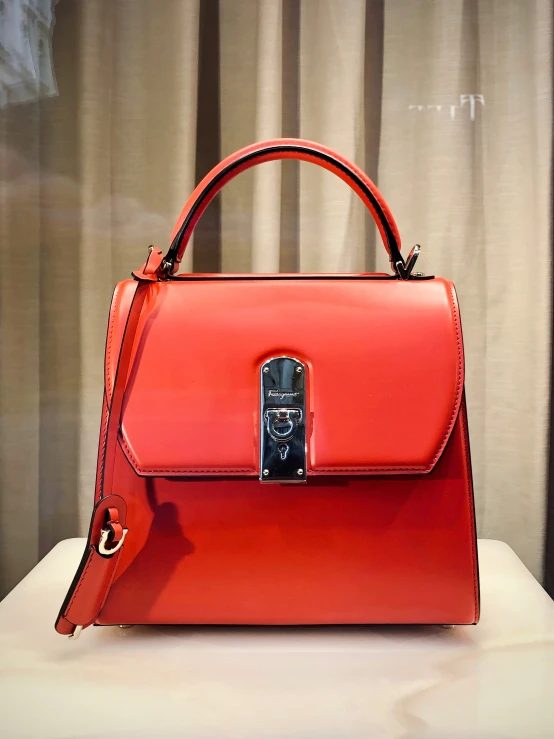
{"points": [[283, 414]]}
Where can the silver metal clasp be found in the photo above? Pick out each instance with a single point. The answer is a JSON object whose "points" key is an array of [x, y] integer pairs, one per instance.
{"points": [[76, 633], [404, 270], [103, 549], [281, 423], [283, 418]]}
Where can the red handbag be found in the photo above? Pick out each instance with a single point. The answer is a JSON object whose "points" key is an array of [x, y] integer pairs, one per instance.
{"points": [[282, 448]]}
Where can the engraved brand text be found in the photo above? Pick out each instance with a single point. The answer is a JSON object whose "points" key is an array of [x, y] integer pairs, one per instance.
{"points": [[282, 394]]}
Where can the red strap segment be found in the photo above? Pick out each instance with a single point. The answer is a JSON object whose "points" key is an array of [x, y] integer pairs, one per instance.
{"points": [[117, 532], [112, 514], [91, 585], [120, 383], [266, 151], [92, 582]]}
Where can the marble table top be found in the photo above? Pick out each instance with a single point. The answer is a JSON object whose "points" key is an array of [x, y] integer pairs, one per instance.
{"points": [[491, 681]]}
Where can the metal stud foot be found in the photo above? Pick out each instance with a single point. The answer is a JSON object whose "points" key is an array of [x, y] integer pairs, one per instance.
{"points": [[447, 626]]}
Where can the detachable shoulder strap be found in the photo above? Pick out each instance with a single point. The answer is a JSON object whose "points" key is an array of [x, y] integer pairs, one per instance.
{"points": [[95, 574]]}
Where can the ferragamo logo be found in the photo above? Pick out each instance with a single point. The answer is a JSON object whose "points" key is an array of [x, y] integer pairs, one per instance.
{"points": [[282, 394]]}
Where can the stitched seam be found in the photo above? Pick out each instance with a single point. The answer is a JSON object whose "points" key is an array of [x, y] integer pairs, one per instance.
{"points": [[469, 484], [456, 407], [103, 446], [370, 469], [80, 583], [117, 293], [143, 470], [393, 228]]}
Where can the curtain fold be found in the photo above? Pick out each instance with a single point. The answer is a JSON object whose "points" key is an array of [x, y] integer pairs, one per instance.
{"points": [[332, 47], [465, 150], [446, 104]]}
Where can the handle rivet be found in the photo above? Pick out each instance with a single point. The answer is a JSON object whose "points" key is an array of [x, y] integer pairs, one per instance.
{"points": [[300, 472], [265, 473], [266, 370], [299, 369]]}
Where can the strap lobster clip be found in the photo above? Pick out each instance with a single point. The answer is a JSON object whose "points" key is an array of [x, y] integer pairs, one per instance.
{"points": [[112, 535]]}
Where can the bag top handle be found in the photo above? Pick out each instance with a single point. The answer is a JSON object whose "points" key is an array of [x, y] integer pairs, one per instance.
{"points": [[266, 151]]}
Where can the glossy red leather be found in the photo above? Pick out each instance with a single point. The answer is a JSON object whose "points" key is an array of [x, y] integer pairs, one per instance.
{"points": [[336, 550], [310, 149], [95, 574], [368, 345], [382, 532]]}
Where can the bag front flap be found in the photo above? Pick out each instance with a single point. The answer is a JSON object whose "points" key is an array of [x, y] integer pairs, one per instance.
{"points": [[384, 372]]}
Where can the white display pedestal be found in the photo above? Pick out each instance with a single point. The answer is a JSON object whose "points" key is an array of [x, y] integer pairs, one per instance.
{"points": [[491, 681]]}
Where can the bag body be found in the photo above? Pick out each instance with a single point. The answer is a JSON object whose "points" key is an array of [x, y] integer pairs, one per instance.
{"points": [[281, 449]]}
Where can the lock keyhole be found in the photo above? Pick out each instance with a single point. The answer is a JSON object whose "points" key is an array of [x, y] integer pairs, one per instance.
{"points": [[283, 450]]}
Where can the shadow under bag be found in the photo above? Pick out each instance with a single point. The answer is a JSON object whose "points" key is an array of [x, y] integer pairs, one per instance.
{"points": [[282, 448]]}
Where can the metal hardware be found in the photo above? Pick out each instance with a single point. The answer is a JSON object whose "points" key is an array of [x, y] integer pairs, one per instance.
{"points": [[126, 626], [281, 423], [166, 268], [404, 269], [283, 450], [103, 549], [447, 626], [283, 420], [76, 633]]}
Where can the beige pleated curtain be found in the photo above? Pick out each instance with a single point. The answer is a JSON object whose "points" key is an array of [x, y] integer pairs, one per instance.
{"points": [[446, 103]]}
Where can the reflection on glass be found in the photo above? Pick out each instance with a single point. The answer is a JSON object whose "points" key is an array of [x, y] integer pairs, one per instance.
{"points": [[26, 70]]}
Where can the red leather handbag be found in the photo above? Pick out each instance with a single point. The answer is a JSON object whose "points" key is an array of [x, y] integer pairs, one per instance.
{"points": [[283, 448]]}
